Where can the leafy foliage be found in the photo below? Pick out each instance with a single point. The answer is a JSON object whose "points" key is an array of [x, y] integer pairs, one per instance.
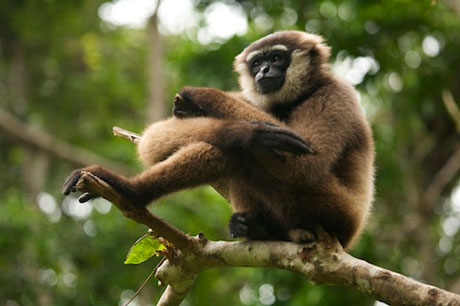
{"points": [[144, 248]]}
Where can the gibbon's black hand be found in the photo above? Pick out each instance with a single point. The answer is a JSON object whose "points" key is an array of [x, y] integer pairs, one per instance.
{"points": [[271, 137], [70, 186], [71, 181], [121, 184], [186, 109], [261, 136]]}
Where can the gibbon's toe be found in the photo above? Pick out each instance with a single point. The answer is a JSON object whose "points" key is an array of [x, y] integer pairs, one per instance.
{"points": [[238, 226]]}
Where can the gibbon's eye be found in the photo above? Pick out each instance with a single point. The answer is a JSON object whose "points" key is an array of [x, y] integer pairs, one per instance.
{"points": [[276, 58], [256, 64]]}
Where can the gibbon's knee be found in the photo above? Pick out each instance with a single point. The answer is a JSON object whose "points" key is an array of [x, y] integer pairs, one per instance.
{"points": [[156, 143], [162, 139]]}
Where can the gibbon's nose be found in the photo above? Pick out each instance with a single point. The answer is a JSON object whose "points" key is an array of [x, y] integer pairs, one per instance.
{"points": [[265, 69]]}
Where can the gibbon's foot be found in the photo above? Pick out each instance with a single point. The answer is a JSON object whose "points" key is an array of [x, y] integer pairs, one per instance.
{"points": [[121, 184], [255, 226], [299, 235], [186, 109], [238, 226]]}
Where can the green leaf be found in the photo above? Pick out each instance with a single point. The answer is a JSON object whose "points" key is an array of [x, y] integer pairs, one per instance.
{"points": [[144, 248]]}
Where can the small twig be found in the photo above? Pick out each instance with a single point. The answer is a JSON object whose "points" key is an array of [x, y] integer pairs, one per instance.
{"points": [[131, 136], [145, 281]]}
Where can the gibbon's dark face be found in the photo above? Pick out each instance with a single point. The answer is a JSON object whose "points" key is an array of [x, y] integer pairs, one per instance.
{"points": [[268, 68]]}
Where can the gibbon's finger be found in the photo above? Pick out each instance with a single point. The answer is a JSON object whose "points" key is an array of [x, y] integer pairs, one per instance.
{"points": [[86, 197], [262, 122], [241, 219], [184, 108], [178, 99], [284, 143], [243, 229], [71, 180], [284, 131], [268, 127], [278, 154], [238, 226], [298, 147], [280, 143], [239, 230], [180, 113], [293, 138]]}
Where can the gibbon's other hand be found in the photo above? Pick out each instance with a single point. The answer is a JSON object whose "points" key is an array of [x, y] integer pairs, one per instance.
{"points": [[122, 185], [261, 136], [186, 109], [70, 186], [272, 137]]}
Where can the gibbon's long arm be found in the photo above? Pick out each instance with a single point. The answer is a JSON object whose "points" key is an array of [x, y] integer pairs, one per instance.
{"points": [[216, 103], [330, 120], [250, 128]]}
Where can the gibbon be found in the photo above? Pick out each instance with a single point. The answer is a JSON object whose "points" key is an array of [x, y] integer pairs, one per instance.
{"points": [[292, 150]]}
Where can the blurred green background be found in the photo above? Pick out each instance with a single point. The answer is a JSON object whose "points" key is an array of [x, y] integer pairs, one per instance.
{"points": [[70, 70]]}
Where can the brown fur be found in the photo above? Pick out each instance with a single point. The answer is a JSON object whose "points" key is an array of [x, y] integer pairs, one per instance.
{"points": [[332, 188]]}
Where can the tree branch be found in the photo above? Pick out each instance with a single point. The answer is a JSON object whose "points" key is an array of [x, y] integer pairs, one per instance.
{"points": [[323, 261], [451, 107], [34, 137], [133, 137]]}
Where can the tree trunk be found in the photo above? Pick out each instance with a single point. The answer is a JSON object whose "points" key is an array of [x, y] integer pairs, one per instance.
{"points": [[35, 164], [157, 107]]}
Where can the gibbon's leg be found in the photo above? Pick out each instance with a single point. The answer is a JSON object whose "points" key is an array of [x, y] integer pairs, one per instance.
{"points": [[195, 164], [162, 139]]}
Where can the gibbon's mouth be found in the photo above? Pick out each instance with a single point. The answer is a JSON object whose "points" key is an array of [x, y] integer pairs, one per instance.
{"points": [[269, 84]]}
